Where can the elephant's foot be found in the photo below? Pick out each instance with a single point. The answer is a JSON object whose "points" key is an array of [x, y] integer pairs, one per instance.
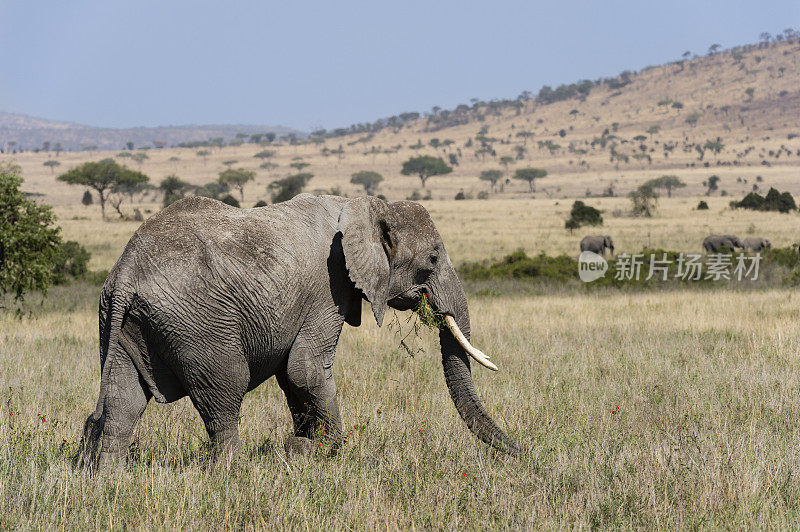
{"points": [[110, 462], [298, 446]]}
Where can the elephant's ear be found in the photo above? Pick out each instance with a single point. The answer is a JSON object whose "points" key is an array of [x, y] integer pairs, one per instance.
{"points": [[367, 245]]}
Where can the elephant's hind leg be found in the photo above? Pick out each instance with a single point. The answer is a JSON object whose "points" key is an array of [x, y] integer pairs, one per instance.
{"points": [[125, 400]]}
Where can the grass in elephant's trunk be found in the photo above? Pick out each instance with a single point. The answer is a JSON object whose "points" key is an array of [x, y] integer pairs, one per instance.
{"points": [[428, 316]]}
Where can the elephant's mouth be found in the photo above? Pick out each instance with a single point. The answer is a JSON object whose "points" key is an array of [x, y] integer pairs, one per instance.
{"points": [[409, 299]]}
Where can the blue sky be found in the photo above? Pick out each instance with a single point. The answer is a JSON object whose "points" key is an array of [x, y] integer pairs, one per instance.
{"points": [[328, 64]]}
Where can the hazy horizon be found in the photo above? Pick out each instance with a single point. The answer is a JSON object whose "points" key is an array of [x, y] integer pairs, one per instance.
{"points": [[330, 65]]}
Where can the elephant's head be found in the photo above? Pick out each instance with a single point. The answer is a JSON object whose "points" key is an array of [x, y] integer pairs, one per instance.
{"points": [[394, 255], [608, 243]]}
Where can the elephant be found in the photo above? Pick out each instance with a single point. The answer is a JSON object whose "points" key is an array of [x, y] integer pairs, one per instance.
{"points": [[597, 244], [209, 301], [756, 244], [715, 243]]}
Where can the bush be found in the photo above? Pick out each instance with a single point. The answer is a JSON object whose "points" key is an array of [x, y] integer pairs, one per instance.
{"points": [[460, 195], [519, 265], [70, 260], [230, 200], [702, 206], [773, 201], [483, 195], [584, 214], [29, 238], [261, 203]]}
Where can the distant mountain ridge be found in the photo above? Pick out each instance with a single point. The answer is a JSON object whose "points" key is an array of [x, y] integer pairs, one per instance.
{"points": [[18, 131]]}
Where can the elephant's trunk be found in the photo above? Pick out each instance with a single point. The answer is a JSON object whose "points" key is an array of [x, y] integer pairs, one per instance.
{"points": [[457, 368]]}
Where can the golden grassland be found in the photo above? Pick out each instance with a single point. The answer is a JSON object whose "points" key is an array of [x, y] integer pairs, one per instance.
{"points": [[475, 230], [656, 410]]}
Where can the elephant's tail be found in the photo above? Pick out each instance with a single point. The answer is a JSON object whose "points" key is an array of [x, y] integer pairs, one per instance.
{"points": [[112, 312]]}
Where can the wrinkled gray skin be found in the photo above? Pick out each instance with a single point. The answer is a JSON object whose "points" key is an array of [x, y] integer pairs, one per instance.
{"points": [[597, 244], [209, 301], [756, 244], [714, 243]]}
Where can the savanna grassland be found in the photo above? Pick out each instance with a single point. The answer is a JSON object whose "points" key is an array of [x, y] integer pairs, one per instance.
{"points": [[652, 409]]}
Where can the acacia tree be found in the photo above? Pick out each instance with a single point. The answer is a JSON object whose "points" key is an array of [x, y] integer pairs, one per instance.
{"points": [[493, 176], [667, 182], [237, 178], [289, 187], [643, 200], [29, 238], [52, 165], [425, 166], [102, 176], [530, 175], [506, 160], [174, 188], [368, 179]]}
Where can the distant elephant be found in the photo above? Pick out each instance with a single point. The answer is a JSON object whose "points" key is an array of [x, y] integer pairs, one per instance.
{"points": [[715, 243], [597, 244], [756, 244], [209, 301]]}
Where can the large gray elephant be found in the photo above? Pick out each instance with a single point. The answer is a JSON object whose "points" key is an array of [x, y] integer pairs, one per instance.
{"points": [[209, 301], [715, 243], [597, 244], [756, 244]]}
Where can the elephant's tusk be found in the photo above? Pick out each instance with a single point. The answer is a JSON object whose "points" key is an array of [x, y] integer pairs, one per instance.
{"points": [[477, 354]]}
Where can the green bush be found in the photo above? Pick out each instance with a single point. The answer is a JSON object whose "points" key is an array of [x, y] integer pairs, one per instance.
{"points": [[261, 203], [702, 206], [773, 201], [519, 265], [70, 260], [585, 214], [29, 238], [230, 200]]}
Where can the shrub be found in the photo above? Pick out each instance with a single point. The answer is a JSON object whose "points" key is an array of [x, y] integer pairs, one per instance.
{"points": [[460, 195], [230, 200], [585, 214], [29, 238], [261, 203], [702, 206], [773, 201], [483, 195], [289, 187], [71, 259]]}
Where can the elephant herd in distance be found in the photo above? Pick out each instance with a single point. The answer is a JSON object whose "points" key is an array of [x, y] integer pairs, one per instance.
{"points": [[711, 244]]}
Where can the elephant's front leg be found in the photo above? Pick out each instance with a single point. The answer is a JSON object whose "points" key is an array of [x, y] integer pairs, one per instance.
{"points": [[311, 394]]}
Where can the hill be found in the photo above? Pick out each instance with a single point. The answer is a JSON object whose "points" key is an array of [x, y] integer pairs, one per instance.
{"points": [[30, 133], [733, 113]]}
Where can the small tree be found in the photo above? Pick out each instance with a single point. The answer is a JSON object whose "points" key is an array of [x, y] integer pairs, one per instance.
{"points": [[52, 165], [712, 184], [264, 154], [102, 176], [530, 175], [173, 188], [506, 160], [300, 165], [583, 214], [492, 176], [29, 238], [139, 157], [237, 178], [87, 198], [667, 182], [368, 179], [425, 166], [644, 200], [204, 154], [289, 187]]}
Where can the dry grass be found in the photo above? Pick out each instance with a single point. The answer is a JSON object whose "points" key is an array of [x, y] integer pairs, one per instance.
{"points": [[650, 410]]}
